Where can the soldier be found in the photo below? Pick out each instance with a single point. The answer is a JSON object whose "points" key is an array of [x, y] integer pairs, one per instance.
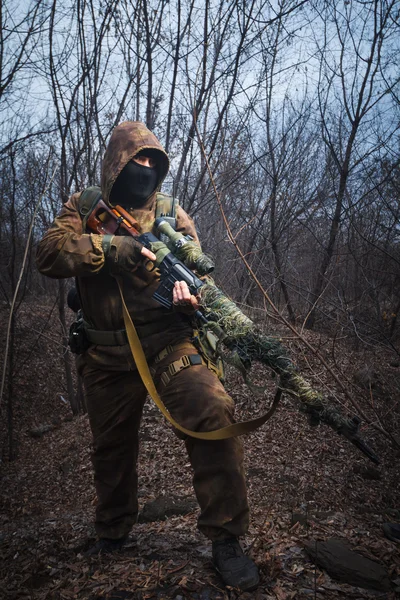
{"points": [[134, 166]]}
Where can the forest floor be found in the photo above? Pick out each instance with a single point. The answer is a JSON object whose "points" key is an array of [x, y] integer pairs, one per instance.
{"points": [[305, 485]]}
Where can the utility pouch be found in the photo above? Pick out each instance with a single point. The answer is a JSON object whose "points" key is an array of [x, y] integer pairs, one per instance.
{"points": [[77, 339], [206, 343]]}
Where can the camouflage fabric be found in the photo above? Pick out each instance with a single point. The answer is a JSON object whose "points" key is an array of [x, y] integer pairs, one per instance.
{"points": [[67, 251], [115, 393], [197, 399]]}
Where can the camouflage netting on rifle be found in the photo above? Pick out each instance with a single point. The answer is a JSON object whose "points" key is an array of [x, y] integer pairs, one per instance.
{"points": [[244, 342], [191, 254], [187, 250], [239, 334]]}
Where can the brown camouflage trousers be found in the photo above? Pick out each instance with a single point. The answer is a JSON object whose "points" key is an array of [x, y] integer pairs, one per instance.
{"points": [[197, 400]]}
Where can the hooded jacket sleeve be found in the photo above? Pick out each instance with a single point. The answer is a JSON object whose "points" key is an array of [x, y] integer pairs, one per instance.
{"points": [[65, 251]]}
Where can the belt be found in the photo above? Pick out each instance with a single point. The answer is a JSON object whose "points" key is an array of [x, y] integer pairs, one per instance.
{"points": [[118, 337], [106, 338]]}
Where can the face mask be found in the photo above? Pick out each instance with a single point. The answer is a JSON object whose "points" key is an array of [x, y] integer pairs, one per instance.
{"points": [[134, 185]]}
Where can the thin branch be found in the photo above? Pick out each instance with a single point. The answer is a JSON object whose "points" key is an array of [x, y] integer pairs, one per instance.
{"points": [[7, 345], [275, 309]]}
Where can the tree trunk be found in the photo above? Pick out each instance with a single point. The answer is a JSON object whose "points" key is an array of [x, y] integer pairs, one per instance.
{"points": [[66, 356], [10, 393]]}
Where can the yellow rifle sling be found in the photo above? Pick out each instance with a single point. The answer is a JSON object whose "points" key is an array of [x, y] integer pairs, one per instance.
{"points": [[144, 372]]}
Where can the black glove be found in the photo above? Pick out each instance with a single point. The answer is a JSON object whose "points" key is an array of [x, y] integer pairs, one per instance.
{"points": [[122, 253]]}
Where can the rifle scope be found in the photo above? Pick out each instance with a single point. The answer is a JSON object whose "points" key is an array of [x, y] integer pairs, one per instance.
{"points": [[185, 248]]}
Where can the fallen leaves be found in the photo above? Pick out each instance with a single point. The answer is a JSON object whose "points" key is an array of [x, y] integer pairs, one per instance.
{"points": [[48, 501]]}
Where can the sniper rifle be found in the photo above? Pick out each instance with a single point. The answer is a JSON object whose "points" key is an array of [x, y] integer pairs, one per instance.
{"points": [[176, 261]]}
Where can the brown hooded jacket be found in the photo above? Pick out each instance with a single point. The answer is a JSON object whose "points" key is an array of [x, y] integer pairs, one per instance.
{"points": [[68, 251]]}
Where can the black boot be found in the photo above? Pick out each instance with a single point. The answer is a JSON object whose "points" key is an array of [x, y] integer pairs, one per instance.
{"points": [[392, 531], [235, 568], [107, 546]]}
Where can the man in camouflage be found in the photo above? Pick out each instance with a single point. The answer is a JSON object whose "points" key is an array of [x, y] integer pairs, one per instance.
{"points": [[134, 166]]}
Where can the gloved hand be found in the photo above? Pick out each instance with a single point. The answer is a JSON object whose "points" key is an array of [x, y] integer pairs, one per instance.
{"points": [[123, 253]]}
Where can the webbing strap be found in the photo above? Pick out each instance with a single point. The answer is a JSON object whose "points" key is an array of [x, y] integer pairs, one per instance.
{"points": [[169, 349], [144, 372], [188, 360]]}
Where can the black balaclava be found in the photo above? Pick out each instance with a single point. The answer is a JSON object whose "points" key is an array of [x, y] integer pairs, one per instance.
{"points": [[134, 185]]}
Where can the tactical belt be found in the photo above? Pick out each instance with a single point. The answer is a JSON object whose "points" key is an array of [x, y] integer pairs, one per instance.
{"points": [[144, 372], [106, 338], [117, 337]]}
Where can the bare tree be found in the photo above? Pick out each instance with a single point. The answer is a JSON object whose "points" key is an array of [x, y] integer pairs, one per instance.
{"points": [[297, 106], [356, 49]]}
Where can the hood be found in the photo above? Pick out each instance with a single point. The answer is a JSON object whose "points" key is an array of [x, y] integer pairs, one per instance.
{"points": [[126, 141]]}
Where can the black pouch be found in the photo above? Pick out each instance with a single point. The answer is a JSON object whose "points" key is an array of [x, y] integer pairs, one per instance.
{"points": [[77, 339]]}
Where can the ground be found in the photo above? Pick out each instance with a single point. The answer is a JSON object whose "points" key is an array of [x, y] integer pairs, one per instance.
{"points": [[305, 484]]}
